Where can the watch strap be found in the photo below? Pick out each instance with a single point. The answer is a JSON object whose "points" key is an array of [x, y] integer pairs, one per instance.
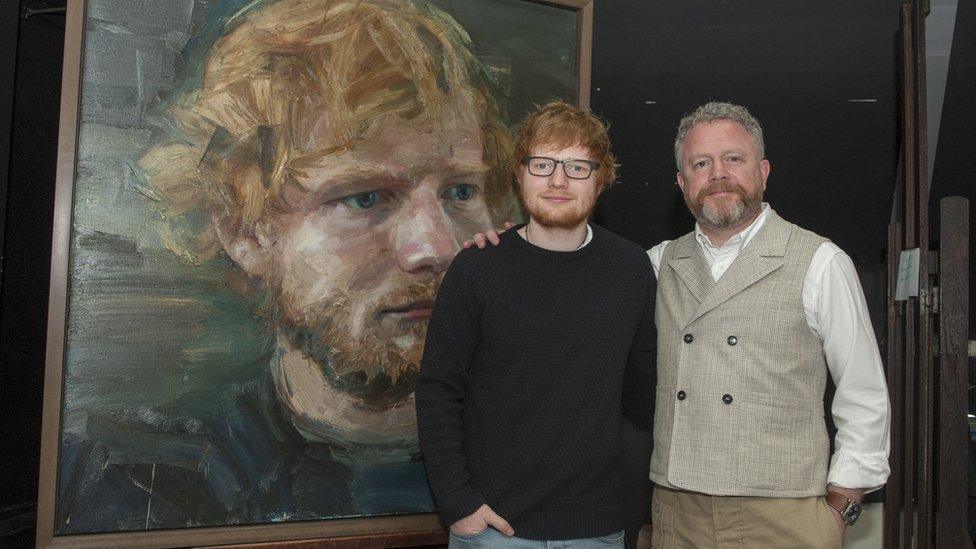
{"points": [[837, 501]]}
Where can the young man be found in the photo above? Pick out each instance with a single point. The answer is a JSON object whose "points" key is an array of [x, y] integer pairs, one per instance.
{"points": [[519, 394]]}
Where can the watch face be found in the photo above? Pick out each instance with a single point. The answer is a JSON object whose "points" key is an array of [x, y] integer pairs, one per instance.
{"points": [[852, 513]]}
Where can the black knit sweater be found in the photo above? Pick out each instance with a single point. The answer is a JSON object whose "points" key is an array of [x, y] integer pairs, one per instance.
{"points": [[519, 395]]}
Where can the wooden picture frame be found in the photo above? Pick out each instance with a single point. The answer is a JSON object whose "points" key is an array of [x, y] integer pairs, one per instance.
{"points": [[368, 531]]}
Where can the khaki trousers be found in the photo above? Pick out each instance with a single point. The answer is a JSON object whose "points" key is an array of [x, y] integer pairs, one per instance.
{"points": [[688, 519]]}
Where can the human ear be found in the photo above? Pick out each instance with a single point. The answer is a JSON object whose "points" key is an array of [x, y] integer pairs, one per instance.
{"points": [[249, 247], [764, 171]]}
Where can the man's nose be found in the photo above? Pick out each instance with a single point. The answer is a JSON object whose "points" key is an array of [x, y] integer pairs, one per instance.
{"points": [[425, 239], [718, 171], [558, 179]]}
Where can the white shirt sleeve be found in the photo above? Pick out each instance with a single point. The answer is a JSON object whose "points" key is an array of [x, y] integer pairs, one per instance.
{"points": [[837, 311], [655, 254]]}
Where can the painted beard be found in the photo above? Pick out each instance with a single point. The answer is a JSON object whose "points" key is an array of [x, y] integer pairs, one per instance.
{"points": [[559, 218], [380, 368], [724, 213]]}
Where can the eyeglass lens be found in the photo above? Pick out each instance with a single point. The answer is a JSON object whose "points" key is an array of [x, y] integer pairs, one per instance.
{"points": [[574, 169]]}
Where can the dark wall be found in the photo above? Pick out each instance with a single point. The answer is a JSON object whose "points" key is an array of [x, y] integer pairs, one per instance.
{"points": [[796, 66]]}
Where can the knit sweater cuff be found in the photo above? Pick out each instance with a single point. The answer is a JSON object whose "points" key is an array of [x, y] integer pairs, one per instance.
{"points": [[458, 505]]}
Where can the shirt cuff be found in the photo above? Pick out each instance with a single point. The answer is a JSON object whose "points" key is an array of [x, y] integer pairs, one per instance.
{"points": [[863, 470], [458, 505]]}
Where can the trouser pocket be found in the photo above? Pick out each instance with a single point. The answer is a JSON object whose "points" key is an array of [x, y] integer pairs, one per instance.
{"points": [[662, 523]]}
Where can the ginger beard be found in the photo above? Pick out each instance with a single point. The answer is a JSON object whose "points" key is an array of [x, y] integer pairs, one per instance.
{"points": [[560, 216], [722, 212], [361, 344], [569, 217], [353, 257]]}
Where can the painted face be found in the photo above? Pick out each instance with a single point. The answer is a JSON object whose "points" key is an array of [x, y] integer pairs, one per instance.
{"points": [[362, 244], [722, 177], [556, 200]]}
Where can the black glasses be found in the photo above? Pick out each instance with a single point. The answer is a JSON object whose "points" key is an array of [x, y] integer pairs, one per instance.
{"points": [[543, 166]]}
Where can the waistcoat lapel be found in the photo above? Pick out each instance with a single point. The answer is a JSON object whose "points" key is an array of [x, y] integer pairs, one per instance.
{"points": [[761, 256], [689, 264]]}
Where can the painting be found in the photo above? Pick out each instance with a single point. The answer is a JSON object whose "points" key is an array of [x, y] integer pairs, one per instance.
{"points": [[257, 200]]}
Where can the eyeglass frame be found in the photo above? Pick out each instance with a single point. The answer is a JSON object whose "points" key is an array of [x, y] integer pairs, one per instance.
{"points": [[594, 166]]}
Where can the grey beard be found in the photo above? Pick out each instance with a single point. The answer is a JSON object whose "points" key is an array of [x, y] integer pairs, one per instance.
{"points": [[713, 220]]}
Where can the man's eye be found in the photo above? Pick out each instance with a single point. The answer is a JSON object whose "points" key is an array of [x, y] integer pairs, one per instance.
{"points": [[735, 159], [700, 164], [363, 201], [460, 192]]}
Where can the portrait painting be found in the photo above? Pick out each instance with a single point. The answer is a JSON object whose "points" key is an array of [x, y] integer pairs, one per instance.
{"points": [[257, 201]]}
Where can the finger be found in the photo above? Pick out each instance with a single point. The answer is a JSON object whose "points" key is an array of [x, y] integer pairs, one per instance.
{"points": [[479, 240], [493, 237], [498, 523], [509, 225], [466, 244]]}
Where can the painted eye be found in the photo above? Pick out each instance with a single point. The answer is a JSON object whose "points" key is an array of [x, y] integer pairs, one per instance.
{"points": [[460, 192], [362, 201]]}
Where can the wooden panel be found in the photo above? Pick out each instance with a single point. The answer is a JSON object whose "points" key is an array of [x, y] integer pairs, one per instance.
{"points": [[953, 435], [909, 172], [924, 357], [895, 375]]}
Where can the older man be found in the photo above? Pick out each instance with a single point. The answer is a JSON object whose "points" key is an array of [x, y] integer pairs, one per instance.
{"points": [[753, 312]]}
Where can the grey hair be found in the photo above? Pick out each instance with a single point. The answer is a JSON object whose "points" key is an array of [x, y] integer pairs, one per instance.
{"points": [[712, 111]]}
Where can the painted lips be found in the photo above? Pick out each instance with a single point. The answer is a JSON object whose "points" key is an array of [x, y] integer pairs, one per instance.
{"points": [[417, 310]]}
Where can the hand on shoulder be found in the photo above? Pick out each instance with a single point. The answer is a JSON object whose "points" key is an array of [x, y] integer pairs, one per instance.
{"points": [[490, 236]]}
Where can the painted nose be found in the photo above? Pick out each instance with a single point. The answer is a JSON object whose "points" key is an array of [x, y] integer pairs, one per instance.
{"points": [[425, 239]]}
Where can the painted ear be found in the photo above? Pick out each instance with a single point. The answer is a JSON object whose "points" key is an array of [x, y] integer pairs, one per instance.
{"points": [[251, 250]]}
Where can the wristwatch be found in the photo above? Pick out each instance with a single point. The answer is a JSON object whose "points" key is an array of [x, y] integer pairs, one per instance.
{"points": [[849, 509]]}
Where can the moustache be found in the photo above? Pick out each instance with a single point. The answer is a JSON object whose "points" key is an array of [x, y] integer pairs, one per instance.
{"points": [[409, 295], [720, 187]]}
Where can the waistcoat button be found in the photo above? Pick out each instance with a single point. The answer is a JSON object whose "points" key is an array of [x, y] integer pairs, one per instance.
{"points": [[681, 395], [689, 338], [732, 340], [727, 398]]}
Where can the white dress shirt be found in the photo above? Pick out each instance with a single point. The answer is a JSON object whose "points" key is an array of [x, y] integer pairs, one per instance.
{"points": [[835, 309]]}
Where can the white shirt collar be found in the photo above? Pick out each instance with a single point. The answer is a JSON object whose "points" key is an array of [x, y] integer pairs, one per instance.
{"points": [[740, 239], [589, 237]]}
